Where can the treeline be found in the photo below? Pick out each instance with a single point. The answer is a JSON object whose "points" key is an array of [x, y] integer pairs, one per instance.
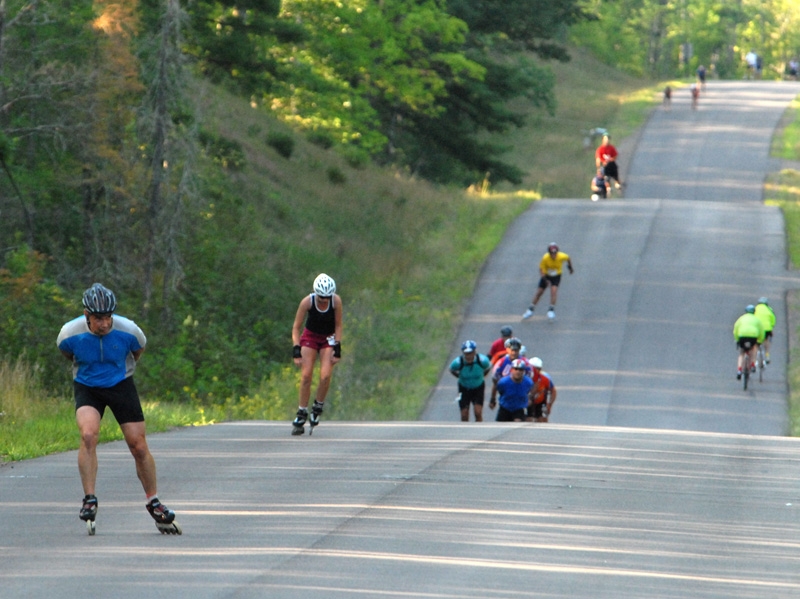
{"points": [[666, 39], [116, 166]]}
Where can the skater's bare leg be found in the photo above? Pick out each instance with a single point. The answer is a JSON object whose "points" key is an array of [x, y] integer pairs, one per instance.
{"points": [[465, 414], [134, 433], [325, 373], [88, 420], [478, 413], [308, 358], [553, 294], [538, 295]]}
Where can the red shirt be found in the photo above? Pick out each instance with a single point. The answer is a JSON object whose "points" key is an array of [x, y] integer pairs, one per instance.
{"points": [[606, 153], [542, 383], [498, 347]]}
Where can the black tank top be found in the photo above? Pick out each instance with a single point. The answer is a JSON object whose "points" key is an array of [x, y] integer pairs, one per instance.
{"points": [[322, 323]]}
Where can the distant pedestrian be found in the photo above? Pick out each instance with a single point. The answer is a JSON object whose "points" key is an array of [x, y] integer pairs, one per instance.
{"points": [[750, 60], [701, 77], [667, 103]]}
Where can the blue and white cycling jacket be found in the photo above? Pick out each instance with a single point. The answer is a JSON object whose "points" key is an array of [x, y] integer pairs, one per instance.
{"points": [[101, 361]]}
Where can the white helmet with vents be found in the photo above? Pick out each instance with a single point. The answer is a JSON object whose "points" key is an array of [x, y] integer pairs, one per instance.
{"points": [[324, 286]]}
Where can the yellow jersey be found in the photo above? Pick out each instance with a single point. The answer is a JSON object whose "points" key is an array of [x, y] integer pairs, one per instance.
{"points": [[553, 266]]}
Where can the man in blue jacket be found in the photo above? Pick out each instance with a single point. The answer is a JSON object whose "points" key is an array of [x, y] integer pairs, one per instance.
{"points": [[104, 349]]}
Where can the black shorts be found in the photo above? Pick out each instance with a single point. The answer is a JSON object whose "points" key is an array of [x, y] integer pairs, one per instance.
{"points": [[747, 343], [767, 335], [504, 415], [536, 410], [469, 396], [610, 171], [122, 399], [546, 280]]}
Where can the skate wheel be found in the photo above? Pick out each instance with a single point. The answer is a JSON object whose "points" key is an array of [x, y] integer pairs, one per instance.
{"points": [[173, 528], [91, 527], [298, 430]]}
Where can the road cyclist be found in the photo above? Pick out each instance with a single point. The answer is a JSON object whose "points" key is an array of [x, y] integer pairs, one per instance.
{"points": [[471, 368], [748, 332], [766, 315]]}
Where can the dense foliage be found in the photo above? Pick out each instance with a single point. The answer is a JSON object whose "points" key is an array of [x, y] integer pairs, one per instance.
{"points": [[664, 39]]}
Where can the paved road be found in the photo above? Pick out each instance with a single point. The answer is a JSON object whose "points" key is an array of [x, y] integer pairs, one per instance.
{"points": [[417, 510], [604, 503], [643, 336]]}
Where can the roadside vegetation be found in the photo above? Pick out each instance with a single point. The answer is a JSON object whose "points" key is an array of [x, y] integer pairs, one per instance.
{"points": [[783, 189], [399, 327]]}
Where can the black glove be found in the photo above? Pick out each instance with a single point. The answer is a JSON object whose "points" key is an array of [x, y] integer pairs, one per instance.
{"points": [[337, 350], [296, 352]]}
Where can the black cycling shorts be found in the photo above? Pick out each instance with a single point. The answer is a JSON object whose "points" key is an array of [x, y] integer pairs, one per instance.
{"points": [[747, 343], [504, 415], [610, 170], [122, 399], [546, 280], [469, 396]]}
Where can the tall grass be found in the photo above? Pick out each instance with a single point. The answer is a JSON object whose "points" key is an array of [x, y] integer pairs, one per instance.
{"points": [[783, 188], [33, 423]]}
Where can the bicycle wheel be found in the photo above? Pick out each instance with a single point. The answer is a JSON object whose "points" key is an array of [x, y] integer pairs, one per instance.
{"points": [[746, 370], [760, 364]]}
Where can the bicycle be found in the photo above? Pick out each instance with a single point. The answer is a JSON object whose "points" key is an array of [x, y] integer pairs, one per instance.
{"points": [[761, 363], [747, 365]]}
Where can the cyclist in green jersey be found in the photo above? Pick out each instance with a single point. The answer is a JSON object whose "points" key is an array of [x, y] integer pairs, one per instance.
{"points": [[748, 332], [766, 315]]}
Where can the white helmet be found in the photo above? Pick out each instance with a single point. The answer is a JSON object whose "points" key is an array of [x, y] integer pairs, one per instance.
{"points": [[536, 362], [324, 286]]}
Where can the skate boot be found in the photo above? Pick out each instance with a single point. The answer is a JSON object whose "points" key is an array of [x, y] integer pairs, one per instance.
{"points": [[88, 512], [551, 313], [164, 517], [299, 422], [316, 412]]}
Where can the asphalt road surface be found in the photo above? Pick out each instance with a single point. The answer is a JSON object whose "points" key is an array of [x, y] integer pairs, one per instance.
{"points": [[638, 488], [643, 335]]}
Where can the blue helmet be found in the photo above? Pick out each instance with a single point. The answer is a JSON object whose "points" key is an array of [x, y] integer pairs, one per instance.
{"points": [[469, 346], [750, 309]]}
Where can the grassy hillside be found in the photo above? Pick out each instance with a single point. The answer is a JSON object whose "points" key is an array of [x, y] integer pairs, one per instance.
{"points": [[405, 256]]}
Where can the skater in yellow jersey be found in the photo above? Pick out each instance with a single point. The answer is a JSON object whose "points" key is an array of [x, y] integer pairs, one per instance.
{"points": [[550, 269]]}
